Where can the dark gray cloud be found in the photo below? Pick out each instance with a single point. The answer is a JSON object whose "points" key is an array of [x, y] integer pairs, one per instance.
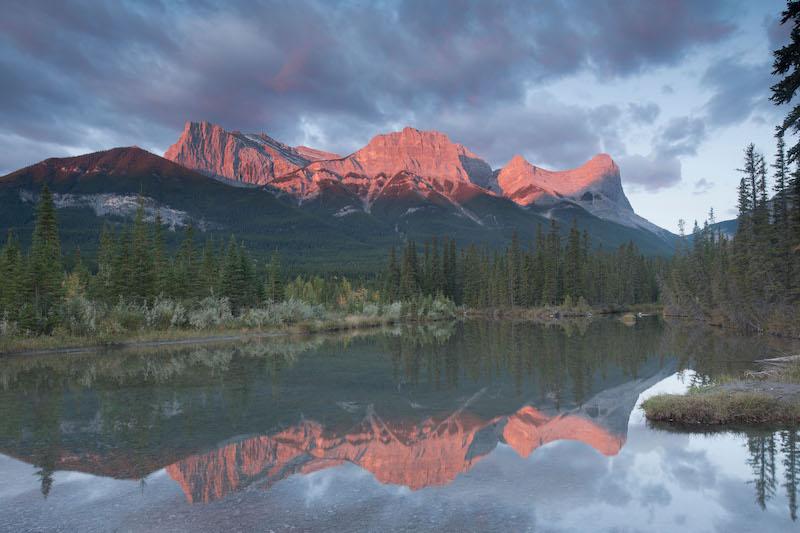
{"points": [[650, 173], [551, 134], [777, 33], [88, 75], [643, 113], [680, 136], [702, 186], [740, 89]]}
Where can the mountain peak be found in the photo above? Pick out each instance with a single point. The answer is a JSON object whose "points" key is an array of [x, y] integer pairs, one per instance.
{"points": [[246, 157], [427, 153], [526, 183]]}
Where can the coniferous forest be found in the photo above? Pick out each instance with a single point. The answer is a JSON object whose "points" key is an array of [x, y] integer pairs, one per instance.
{"points": [[751, 280], [138, 284]]}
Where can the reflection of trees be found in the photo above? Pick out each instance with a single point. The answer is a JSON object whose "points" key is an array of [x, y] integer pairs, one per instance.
{"points": [[46, 436], [762, 448], [563, 363], [789, 448], [762, 462], [712, 352]]}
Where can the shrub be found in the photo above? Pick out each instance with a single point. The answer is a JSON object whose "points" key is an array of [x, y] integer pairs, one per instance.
{"points": [[292, 311], [257, 317], [8, 327], [166, 313], [211, 312], [80, 316], [126, 316]]}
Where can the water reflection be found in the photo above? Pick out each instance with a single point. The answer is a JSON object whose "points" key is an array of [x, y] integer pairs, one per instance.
{"points": [[415, 407]]}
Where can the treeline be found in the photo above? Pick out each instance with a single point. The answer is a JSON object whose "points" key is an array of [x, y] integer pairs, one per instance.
{"points": [[752, 279], [136, 284], [551, 271], [132, 265]]}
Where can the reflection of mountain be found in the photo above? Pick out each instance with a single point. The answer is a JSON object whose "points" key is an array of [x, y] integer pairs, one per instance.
{"points": [[431, 453], [444, 402]]}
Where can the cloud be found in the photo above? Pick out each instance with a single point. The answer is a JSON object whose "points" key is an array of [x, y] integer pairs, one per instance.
{"points": [[650, 173], [645, 113], [680, 136], [777, 34], [100, 74], [546, 131], [702, 186], [739, 89]]}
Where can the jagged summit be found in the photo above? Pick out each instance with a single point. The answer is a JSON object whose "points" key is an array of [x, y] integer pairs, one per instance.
{"points": [[431, 167], [527, 184], [247, 157]]}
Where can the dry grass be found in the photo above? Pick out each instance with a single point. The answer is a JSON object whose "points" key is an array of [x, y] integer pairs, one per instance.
{"points": [[717, 407], [729, 402]]}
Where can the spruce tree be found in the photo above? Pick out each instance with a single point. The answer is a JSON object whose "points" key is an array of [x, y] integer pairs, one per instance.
{"points": [[142, 268], [274, 280], [787, 65], [45, 273], [11, 271]]}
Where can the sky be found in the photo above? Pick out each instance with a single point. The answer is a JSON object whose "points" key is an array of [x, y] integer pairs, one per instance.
{"points": [[672, 89]]}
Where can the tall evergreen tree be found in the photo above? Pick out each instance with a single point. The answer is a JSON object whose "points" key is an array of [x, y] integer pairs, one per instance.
{"points": [[45, 273]]}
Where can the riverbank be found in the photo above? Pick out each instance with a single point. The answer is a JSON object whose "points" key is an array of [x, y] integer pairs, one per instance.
{"points": [[285, 318], [769, 396], [555, 312], [248, 326]]}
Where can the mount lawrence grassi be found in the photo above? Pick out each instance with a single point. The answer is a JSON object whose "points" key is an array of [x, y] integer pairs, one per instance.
{"points": [[329, 208]]}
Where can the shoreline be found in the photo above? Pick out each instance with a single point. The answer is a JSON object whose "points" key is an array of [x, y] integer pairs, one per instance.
{"points": [[23, 346], [177, 337], [765, 398]]}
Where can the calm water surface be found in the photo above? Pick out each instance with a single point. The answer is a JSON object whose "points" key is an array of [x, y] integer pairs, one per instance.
{"points": [[476, 426]]}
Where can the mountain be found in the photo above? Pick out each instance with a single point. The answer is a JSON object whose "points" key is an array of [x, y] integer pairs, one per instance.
{"points": [[416, 180], [323, 211], [101, 187], [245, 157], [428, 454], [595, 186]]}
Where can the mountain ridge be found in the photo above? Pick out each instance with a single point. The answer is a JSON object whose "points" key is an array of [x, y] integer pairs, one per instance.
{"points": [[431, 157], [342, 214]]}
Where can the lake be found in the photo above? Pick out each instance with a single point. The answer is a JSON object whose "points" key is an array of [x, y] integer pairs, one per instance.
{"points": [[470, 426]]}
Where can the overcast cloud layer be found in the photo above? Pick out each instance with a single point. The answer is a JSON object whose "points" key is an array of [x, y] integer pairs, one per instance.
{"points": [[501, 77]]}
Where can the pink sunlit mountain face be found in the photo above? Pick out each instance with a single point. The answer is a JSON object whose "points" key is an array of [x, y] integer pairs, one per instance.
{"points": [[409, 167]]}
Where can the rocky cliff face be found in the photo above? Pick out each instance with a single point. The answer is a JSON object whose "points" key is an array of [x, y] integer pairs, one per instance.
{"points": [[430, 453], [596, 180], [245, 157], [595, 186], [410, 166]]}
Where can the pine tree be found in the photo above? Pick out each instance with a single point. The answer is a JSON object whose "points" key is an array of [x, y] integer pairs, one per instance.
{"points": [[573, 264], [11, 271], [142, 268], [392, 283], [787, 64], [161, 267], [409, 272], [274, 290], [781, 247], [233, 275], [514, 265], [45, 274]]}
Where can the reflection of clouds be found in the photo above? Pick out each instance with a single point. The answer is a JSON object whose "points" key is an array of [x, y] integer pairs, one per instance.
{"points": [[660, 481]]}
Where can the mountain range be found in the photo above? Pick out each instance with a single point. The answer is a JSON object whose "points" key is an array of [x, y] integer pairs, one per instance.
{"points": [[325, 210]]}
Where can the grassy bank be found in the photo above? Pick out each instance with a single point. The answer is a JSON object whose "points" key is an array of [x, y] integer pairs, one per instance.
{"points": [[165, 321], [770, 396]]}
